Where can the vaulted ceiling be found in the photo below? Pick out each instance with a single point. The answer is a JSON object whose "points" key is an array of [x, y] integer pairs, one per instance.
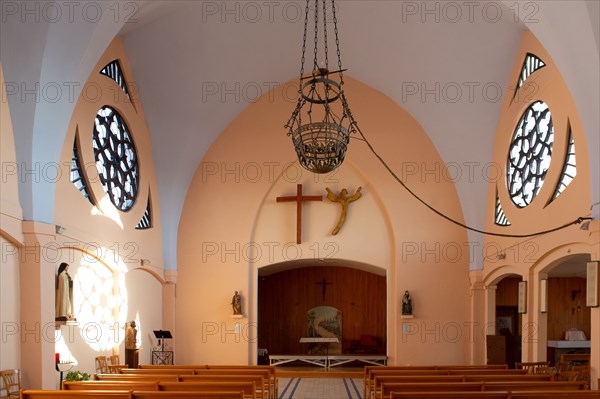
{"points": [[198, 64]]}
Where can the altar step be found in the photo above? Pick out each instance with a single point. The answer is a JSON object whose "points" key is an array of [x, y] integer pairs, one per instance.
{"points": [[318, 372]]}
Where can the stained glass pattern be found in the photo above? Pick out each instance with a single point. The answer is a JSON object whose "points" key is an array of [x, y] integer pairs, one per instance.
{"points": [[530, 154], [531, 64], [500, 219], [146, 220], [116, 158], [114, 71], [569, 169], [77, 177]]}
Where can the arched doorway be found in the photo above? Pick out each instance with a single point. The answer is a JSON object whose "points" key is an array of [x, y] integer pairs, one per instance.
{"points": [[504, 346], [288, 291], [568, 319]]}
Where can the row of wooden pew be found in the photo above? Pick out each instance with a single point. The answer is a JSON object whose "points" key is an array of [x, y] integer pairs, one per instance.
{"points": [[498, 395], [220, 382], [388, 382], [94, 394]]}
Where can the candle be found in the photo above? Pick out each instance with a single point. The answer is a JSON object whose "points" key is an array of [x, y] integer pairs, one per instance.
{"points": [[57, 357]]}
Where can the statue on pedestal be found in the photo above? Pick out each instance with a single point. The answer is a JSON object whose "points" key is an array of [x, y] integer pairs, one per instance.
{"points": [[131, 355], [406, 304], [236, 304], [64, 294]]}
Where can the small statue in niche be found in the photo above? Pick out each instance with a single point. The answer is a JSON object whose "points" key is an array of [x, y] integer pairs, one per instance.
{"points": [[64, 294], [236, 303], [406, 304]]}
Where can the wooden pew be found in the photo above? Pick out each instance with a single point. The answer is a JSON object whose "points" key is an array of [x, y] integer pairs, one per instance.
{"points": [[369, 378], [178, 371], [474, 367], [249, 388], [262, 386], [136, 377], [387, 388], [450, 395], [378, 380], [273, 383], [45, 394], [371, 371], [101, 394], [187, 395], [267, 373], [585, 394], [110, 385], [533, 385], [498, 395], [487, 371], [171, 366], [508, 377]]}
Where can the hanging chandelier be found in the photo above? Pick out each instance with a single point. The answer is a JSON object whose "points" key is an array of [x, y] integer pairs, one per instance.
{"points": [[322, 122]]}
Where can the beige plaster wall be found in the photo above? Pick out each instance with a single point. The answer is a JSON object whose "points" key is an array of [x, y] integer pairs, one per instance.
{"points": [[11, 239], [533, 257], [10, 345], [231, 226], [101, 242]]}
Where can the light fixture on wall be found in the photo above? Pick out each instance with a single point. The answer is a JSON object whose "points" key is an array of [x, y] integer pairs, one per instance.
{"points": [[592, 284], [322, 122], [544, 295], [522, 303]]}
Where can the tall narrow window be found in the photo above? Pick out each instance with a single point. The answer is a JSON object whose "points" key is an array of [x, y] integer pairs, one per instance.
{"points": [[569, 170], [77, 177]]}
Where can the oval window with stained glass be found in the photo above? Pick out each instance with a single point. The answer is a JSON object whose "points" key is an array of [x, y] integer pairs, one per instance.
{"points": [[530, 154], [116, 158]]}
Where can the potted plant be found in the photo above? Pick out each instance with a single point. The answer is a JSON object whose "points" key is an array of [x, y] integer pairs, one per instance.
{"points": [[78, 376]]}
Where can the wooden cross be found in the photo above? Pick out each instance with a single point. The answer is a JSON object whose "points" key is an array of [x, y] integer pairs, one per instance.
{"points": [[299, 198], [324, 283]]}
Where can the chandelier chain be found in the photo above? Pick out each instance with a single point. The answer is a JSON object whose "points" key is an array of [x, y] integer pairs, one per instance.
{"points": [[316, 49], [337, 42], [325, 40], [303, 59]]}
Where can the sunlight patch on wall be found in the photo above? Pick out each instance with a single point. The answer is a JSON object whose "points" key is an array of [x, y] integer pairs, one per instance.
{"points": [[62, 349], [100, 298], [108, 210]]}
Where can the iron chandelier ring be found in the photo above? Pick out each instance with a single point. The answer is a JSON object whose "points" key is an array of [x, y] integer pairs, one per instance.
{"points": [[325, 81]]}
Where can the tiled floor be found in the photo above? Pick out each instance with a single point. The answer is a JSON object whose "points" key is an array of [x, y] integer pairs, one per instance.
{"points": [[317, 388]]}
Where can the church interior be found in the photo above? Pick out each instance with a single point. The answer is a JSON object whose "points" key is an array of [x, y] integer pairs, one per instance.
{"points": [[457, 224]]}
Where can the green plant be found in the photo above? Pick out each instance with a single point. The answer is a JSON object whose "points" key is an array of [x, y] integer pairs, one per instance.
{"points": [[78, 376]]}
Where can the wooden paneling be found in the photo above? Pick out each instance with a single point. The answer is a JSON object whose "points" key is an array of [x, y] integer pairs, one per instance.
{"points": [[507, 292], [566, 307], [284, 299]]}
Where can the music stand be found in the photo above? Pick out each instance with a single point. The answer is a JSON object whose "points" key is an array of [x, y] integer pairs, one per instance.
{"points": [[161, 335]]}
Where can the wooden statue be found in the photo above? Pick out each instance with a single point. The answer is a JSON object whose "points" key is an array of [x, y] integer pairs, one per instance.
{"points": [[344, 200]]}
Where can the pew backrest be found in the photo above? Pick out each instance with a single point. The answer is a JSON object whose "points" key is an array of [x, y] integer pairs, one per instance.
{"points": [[136, 377], [533, 385], [110, 385], [188, 395], [94, 394], [176, 371], [249, 388]]}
